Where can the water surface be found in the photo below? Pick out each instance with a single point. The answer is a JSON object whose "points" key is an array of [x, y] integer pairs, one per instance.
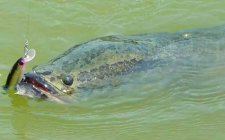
{"points": [[180, 102]]}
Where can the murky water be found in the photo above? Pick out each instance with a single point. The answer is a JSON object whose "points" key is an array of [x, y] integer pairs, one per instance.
{"points": [[184, 101]]}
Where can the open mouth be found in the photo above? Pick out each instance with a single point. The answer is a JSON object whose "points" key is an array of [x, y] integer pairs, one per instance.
{"points": [[34, 86], [38, 83]]}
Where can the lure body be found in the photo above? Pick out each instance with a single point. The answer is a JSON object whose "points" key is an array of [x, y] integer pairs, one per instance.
{"points": [[15, 74], [18, 68]]}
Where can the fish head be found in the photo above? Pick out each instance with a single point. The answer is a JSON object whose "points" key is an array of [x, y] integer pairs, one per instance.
{"points": [[46, 83]]}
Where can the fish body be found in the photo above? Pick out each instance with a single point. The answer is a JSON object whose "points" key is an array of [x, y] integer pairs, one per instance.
{"points": [[97, 63]]}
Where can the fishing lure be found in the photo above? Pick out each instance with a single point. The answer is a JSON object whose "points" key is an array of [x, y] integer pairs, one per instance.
{"points": [[16, 73]]}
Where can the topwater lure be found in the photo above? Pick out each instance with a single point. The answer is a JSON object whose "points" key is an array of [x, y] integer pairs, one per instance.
{"points": [[16, 73]]}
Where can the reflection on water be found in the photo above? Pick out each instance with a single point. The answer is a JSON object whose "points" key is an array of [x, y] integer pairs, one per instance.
{"points": [[180, 100]]}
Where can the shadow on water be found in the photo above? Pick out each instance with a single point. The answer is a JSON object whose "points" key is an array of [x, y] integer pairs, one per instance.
{"points": [[20, 118]]}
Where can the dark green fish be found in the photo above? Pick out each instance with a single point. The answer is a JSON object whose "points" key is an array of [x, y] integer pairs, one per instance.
{"points": [[99, 62]]}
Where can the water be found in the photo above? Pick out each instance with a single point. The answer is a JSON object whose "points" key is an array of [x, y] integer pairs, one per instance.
{"points": [[183, 102]]}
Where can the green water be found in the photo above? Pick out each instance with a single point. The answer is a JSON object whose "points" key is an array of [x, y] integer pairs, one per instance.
{"points": [[184, 105]]}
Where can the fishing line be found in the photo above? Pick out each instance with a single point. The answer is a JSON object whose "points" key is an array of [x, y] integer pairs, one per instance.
{"points": [[27, 34]]}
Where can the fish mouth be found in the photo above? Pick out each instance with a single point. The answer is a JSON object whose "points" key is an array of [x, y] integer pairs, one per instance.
{"points": [[38, 84]]}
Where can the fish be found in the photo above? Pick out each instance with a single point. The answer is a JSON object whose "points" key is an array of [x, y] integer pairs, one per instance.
{"points": [[100, 62]]}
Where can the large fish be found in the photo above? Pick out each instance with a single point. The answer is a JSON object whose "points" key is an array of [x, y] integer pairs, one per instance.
{"points": [[97, 63]]}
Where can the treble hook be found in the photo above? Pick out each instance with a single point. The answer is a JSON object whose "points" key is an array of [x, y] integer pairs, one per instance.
{"points": [[26, 47], [29, 54]]}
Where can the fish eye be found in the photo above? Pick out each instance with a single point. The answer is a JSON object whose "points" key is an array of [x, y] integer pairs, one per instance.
{"points": [[68, 80]]}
